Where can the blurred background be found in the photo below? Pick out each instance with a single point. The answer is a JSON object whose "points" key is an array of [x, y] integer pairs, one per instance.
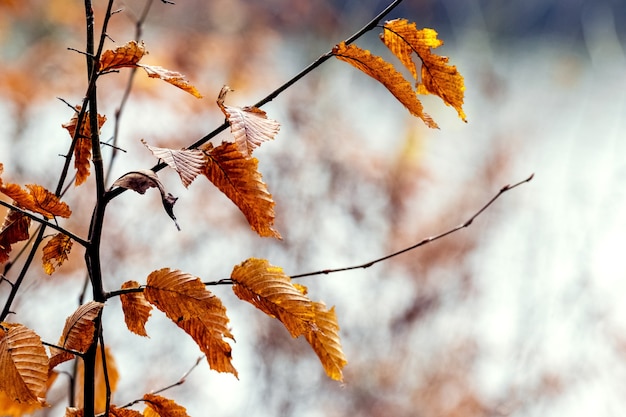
{"points": [[522, 314]]}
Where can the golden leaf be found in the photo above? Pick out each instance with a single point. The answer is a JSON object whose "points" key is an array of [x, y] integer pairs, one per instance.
{"points": [[188, 163], [10, 408], [249, 125], [14, 229], [78, 333], [37, 199], [23, 365], [186, 301], [127, 55], [175, 78], [238, 178], [268, 288], [157, 406], [387, 75], [74, 412], [437, 76], [100, 382], [324, 340], [55, 252], [136, 309], [82, 149]]}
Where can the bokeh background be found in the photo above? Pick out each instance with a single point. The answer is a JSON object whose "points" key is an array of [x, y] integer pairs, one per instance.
{"points": [[522, 314]]}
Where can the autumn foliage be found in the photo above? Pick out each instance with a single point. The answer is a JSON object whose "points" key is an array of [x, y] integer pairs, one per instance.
{"points": [[28, 364]]}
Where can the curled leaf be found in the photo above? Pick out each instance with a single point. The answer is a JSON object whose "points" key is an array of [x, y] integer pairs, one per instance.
{"points": [[82, 148], [136, 309], [175, 78], [78, 333], [127, 55], [14, 229], [141, 180], [55, 252], [157, 406], [249, 125]]}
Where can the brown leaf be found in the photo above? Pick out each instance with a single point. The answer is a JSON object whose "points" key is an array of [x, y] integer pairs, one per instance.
{"points": [[74, 412], [249, 125], [99, 380], [14, 229], [141, 180], [23, 364], [78, 333], [127, 55], [188, 163], [186, 301], [268, 288], [136, 309], [10, 408], [175, 78], [387, 75], [324, 340], [82, 149], [438, 77], [238, 178], [55, 252], [158, 406]]}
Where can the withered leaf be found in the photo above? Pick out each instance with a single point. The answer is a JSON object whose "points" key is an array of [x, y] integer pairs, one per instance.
{"points": [[268, 288], [82, 149], [78, 333], [55, 252], [188, 163], [249, 125], [136, 309], [14, 229], [186, 301], [437, 76], [157, 406], [387, 75], [324, 340], [141, 180], [175, 78], [237, 176], [127, 55], [23, 364]]}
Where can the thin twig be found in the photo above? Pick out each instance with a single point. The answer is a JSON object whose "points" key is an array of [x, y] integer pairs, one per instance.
{"points": [[467, 223], [73, 352], [44, 222]]}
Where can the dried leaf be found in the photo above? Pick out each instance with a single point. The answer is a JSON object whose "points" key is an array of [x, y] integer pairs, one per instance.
{"points": [[186, 301], [268, 288], [175, 78], [14, 229], [123, 412], [438, 77], [136, 309], [99, 380], [74, 412], [127, 55], [82, 149], [249, 125], [141, 180], [78, 333], [55, 252], [157, 406], [23, 364], [324, 340], [37, 199], [387, 75], [238, 178], [188, 163]]}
